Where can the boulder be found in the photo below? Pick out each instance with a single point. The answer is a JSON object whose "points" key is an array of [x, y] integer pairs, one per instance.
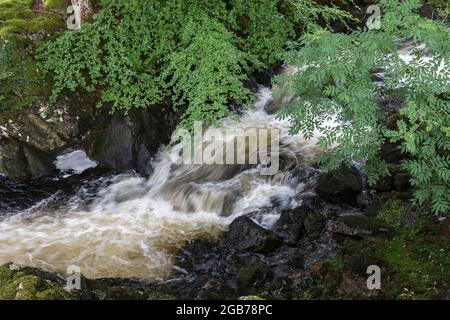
{"points": [[291, 225], [112, 142], [245, 235], [127, 141], [31, 138], [341, 186]]}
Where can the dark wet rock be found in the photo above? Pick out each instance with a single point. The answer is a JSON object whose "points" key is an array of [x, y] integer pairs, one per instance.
{"points": [[245, 235], [314, 224], [290, 226], [397, 180], [383, 184], [308, 200], [113, 144], [252, 84], [128, 141], [17, 196], [340, 186], [302, 221], [12, 159], [253, 277], [285, 261], [19, 161], [216, 270], [358, 225], [31, 139], [238, 264]]}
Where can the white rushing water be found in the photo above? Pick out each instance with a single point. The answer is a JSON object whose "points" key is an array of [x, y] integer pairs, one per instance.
{"points": [[128, 226], [75, 162]]}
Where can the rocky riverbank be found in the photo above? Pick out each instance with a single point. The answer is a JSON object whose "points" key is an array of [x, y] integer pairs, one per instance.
{"points": [[320, 250]]}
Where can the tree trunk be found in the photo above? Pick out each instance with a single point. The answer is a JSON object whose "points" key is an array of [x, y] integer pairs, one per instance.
{"points": [[83, 9]]}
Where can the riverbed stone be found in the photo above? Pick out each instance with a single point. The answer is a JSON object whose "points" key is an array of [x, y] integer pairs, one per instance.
{"points": [[245, 235]]}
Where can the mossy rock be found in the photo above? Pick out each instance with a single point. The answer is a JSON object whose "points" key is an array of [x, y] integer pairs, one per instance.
{"points": [[18, 283], [414, 259], [393, 212], [15, 284], [56, 4], [16, 16], [21, 32], [21, 82], [121, 293]]}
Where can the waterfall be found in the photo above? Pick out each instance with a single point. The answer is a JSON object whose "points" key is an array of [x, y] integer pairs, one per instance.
{"points": [[128, 226]]}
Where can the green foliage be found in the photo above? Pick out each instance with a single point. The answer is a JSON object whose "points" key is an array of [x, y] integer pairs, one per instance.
{"points": [[334, 82], [207, 83], [196, 53]]}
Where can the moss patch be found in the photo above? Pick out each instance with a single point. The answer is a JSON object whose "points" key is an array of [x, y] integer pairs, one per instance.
{"points": [[18, 285], [414, 262], [21, 31], [392, 213], [417, 269], [56, 4], [32, 284], [16, 16]]}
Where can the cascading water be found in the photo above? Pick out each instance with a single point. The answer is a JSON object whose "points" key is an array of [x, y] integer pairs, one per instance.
{"points": [[128, 226]]}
